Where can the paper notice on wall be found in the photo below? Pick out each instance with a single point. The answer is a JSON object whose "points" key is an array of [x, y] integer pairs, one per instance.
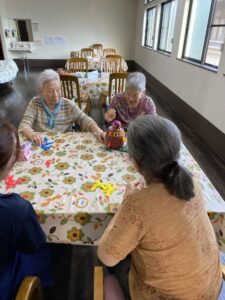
{"points": [[54, 40]]}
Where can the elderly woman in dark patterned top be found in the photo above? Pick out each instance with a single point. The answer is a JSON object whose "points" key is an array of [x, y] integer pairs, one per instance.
{"points": [[51, 112], [132, 103]]}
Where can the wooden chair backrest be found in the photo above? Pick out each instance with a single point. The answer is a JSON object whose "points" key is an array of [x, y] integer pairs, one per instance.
{"points": [[112, 64], [75, 54], [78, 64], [87, 52], [98, 283], [117, 83], [109, 51], [69, 84], [116, 56], [30, 289], [97, 46]]}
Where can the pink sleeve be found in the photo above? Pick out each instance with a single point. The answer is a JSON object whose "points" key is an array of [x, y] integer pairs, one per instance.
{"points": [[150, 106]]}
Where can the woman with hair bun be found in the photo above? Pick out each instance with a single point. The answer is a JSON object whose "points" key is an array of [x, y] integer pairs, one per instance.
{"points": [[163, 225]]}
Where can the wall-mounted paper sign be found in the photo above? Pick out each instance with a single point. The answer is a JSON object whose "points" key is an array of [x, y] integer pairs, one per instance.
{"points": [[54, 40], [35, 27]]}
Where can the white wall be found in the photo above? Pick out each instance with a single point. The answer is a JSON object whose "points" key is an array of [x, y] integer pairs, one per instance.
{"points": [[3, 26], [202, 89], [80, 22]]}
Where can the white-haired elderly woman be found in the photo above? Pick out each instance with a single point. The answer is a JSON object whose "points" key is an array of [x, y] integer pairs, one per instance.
{"points": [[163, 224], [51, 112], [128, 105]]}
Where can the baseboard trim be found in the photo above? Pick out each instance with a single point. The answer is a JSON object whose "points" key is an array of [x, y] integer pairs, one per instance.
{"points": [[205, 131], [42, 63], [56, 63]]}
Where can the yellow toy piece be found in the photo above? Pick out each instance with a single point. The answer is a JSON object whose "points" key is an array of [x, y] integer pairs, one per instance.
{"points": [[108, 188]]}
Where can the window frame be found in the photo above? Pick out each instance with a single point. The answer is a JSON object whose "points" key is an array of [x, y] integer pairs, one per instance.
{"points": [[207, 36], [160, 26], [146, 27], [148, 1]]}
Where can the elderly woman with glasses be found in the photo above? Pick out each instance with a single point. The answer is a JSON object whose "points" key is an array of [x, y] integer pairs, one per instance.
{"points": [[132, 103], [23, 251], [162, 224], [51, 112]]}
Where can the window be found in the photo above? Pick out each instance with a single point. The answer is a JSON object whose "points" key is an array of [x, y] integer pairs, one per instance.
{"points": [[205, 32], [159, 24], [216, 35], [150, 21], [167, 22]]}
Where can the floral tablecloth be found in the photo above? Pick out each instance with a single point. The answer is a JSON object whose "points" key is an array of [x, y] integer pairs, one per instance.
{"points": [[59, 182], [93, 86], [214, 203], [96, 63]]}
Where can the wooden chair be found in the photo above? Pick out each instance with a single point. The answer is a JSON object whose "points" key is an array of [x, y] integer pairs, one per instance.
{"points": [[99, 279], [87, 52], [97, 46], [117, 83], [109, 51], [70, 84], [98, 283], [78, 64], [116, 56], [30, 289], [75, 54], [112, 64]]}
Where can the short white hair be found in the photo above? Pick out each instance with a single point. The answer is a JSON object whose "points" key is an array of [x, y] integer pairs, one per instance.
{"points": [[136, 81], [45, 76]]}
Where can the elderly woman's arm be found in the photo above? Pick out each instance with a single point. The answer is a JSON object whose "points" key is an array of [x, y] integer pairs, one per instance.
{"points": [[87, 123], [150, 106], [121, 236], [27, 122]]}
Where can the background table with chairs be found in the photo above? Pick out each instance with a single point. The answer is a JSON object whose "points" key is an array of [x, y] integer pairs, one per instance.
{"points": [[98, 63], [59, 184], [91, 85]]}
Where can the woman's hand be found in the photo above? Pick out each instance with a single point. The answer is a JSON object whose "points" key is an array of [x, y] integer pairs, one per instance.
{"points": [[36, 139], [110, 115], [132, 188], [100, 136]]}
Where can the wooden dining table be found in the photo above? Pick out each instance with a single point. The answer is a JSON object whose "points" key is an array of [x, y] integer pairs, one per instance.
{"points": [[76, 187]]}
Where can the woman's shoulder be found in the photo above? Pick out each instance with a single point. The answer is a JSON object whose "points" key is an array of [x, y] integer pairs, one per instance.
{"points": [[119, 97], [146, 196], [151, 196], [68, 103], [35, 102], [14, 201], [36, 99], [147, 99]]}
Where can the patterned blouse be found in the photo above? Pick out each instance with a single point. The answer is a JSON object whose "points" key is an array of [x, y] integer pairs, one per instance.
{"points": [[126, 114], [172, 245], [35, 117]]}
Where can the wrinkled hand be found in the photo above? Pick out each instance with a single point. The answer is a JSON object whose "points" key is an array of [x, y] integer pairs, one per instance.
{"points": [[110, 115], [132, 188], [37, 139], [100, 136]]}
